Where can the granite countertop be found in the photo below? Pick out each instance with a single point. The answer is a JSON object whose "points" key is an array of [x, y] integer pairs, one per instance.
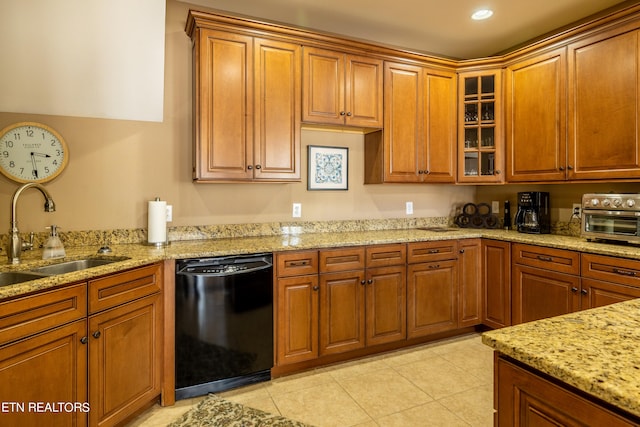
{"points": [[139, 254], [596, 350]]}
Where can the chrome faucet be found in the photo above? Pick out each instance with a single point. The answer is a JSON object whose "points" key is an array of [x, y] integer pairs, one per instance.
{"points": [[16, 246]]}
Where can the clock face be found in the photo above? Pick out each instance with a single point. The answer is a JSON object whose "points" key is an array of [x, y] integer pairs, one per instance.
{"points": [[31, 152]]}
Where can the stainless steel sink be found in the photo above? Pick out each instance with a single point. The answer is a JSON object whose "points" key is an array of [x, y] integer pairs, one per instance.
{"points": [[71, 266], [13, 277]]}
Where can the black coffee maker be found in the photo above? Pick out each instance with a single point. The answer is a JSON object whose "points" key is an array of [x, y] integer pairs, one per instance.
{"points": [[533, 212]]}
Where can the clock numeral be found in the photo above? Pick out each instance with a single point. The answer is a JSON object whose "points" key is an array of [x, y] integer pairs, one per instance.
{"points": [[8, 144], [46, 169], [5, 154], [12, 164], [30, 133], [16, 136]]}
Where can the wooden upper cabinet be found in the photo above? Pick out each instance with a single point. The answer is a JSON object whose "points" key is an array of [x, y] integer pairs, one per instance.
{"points": [[480, 146], [418, 141], [341, 89], [603, 105], [536, 118], [278, 96], [247, 108]]}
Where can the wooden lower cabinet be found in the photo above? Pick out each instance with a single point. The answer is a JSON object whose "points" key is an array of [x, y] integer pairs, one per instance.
{"points": [[496, 283], [297, 319], [432, 292], [125, 345], [539, 293], [524, 398], [342, 311], [50, 367], [107, 363], [598, 293], [469, 282], [386, 319]]}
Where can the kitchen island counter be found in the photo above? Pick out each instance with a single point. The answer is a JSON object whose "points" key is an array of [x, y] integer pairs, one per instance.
{"points": [[596, 351]]}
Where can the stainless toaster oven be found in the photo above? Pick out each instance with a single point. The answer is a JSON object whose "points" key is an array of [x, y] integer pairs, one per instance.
{"points": [[611, 217]]}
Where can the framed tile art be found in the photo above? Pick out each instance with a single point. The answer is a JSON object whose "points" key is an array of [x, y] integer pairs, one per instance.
{"points": [[328, 168]]}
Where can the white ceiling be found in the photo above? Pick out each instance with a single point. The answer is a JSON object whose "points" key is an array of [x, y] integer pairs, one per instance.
{"points": [[441, 27]]}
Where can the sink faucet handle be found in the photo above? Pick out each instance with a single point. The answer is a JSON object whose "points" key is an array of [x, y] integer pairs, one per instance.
{"points": [[27, 246]]}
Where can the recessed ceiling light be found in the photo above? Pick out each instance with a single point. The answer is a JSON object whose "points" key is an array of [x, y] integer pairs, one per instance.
{"points": [[481, 14]]}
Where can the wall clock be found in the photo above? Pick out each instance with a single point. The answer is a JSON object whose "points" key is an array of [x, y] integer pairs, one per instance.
{"points": [[32, 152]]}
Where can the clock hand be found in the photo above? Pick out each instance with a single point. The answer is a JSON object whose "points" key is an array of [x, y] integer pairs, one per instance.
{"points": [[35, 167], [40, 154]]}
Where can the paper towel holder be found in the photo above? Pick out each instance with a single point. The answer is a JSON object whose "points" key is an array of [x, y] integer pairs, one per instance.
{"points": [[158, 244]]}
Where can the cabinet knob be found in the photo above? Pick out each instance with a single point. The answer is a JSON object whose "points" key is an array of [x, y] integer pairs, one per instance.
{"points": [[258, 167], [426, 172], [570, 167], [498, 172], [349, 114], [574, 289], [561, 168], [362, 282], [315, 288], [584, 292], [370, 281], [249, 167], [461, 251], [420, 172], [84, 340], [96, 334], [342, 113]]}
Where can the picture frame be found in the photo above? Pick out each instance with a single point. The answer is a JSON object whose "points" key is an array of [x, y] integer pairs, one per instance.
{"points": [[328, 168]]}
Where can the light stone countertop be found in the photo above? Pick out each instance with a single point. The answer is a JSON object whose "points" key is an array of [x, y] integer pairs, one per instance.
{"points": [[139, 254], [596, 350]]}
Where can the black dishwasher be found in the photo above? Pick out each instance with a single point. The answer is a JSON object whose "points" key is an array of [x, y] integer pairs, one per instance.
{"points": [[224, 323]]}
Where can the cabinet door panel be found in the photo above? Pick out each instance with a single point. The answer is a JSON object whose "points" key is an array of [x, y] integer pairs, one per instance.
{"points": [[342, 312], [470, 283], [432, 293], [440, 136], [277, 110], [50, 367], [386, 305], [125, 344], [224, 108], [323, 80], [402, 122], [603, 107], [599, 293], [297, 319], [496, 282], [364, 91], [538, 294], [536, 118]]}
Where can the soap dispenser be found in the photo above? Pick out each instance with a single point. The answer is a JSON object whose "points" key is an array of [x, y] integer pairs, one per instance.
{"points": [[53, 247]]}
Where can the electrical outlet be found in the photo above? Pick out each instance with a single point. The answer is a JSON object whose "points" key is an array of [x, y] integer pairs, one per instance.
{"points": [[169, 213], [495, 207], [409, 208], [297, 210], [576, 210]]}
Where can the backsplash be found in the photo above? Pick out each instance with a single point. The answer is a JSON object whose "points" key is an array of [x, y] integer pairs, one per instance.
{"points": [[224, 231]]}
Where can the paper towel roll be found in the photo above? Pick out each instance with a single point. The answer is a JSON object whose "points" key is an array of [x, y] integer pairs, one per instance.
{"points": [[157, 221]]}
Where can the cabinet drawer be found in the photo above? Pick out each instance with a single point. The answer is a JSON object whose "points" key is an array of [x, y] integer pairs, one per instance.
{"points": [[611, 269], [344, 259], [36, 313], [296, 263], [386, 255], [560, 260], [121, 288], [432, 251]]}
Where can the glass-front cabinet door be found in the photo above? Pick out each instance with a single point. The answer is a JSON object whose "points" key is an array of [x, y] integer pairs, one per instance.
{"points": [[480, 139]]}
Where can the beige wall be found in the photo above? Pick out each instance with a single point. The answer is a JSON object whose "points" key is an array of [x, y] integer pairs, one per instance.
{"points": [[117, 166]]}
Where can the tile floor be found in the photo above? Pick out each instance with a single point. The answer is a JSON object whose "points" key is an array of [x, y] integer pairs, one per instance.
{"points": [[447, 383]]}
